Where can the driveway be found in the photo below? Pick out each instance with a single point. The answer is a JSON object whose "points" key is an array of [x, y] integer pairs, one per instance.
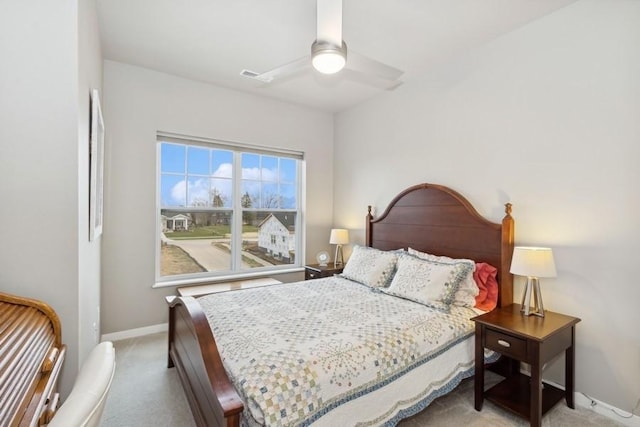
{"points": [[210, 256]]}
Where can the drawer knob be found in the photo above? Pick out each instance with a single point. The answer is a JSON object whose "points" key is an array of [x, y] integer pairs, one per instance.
{"points": [[504, 343]]}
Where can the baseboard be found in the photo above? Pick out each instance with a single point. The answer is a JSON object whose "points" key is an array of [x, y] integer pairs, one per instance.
{"points": [[133, 333], [623, 417], [607, 410]]}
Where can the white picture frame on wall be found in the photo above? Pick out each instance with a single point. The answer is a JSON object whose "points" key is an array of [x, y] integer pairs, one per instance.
{"points": [[96, 167]]}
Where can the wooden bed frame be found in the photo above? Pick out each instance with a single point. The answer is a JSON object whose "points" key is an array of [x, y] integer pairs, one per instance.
{"points": [[426, 217]]}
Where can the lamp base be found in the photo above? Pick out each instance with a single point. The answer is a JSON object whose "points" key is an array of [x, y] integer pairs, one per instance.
{"points": [[532, 286], [338, 259]]}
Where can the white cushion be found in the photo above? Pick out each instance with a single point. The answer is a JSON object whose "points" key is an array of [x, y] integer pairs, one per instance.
{"points": [[84, 406]]}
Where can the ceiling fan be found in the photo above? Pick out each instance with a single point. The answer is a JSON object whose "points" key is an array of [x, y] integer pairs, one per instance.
{"points": [[329, 55]]}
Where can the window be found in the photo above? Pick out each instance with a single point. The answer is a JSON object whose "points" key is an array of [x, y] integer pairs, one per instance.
{"points": [[226, 209]]}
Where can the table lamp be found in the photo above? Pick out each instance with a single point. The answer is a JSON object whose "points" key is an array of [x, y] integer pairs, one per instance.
{"points": [[339, 237], [533, 263]]}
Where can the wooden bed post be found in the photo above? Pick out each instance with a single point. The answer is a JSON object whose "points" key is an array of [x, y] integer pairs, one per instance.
{"points": [[170, 332], [506, 278], [369, 218], [193, 352]]}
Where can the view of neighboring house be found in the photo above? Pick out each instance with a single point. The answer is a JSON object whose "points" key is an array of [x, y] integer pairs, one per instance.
{"points": [[179, 222], [276, 236]]}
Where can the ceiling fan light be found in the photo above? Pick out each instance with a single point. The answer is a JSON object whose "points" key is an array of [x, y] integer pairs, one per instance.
{"points": [[328, 58], [328, 62]]}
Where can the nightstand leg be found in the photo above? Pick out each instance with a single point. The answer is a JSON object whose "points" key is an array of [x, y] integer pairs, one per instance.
{"points": [[478, 378], [514, 367], [569, 370], [536, 391]]}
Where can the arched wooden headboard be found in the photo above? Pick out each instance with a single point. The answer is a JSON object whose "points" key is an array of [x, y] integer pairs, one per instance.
{"points": [[438, 220]]}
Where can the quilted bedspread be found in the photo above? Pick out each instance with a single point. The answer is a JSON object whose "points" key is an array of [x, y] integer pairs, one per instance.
{"points": [[296, 352]]}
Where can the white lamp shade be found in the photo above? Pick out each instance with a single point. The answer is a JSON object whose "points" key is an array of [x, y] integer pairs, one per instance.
{"points": [[533, 262], [339, 236]]}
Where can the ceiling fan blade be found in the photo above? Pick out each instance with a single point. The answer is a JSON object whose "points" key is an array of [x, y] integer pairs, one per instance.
{"points": [[365, 65], [329, 21], [371, 79], [280, 72]]}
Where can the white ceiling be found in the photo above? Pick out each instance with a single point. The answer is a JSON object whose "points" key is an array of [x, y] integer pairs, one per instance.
{"points": [[214, 40]]}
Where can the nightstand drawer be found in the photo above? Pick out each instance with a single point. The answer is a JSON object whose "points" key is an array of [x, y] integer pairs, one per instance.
{"points": [[506, 344], [312, 274]]}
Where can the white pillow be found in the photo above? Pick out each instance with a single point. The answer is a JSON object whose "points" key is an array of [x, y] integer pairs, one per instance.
{"points": [[431, 283], [468, 290], [370, 266]]}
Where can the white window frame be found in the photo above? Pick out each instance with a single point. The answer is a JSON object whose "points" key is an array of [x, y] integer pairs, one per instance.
{"points": [[234, 273]]}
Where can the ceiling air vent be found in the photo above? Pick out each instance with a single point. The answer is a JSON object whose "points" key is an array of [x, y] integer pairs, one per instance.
{"points": [[249, 73]]}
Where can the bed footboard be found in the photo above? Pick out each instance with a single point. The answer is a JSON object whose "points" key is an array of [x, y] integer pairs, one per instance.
{"points": [[193, 352]]}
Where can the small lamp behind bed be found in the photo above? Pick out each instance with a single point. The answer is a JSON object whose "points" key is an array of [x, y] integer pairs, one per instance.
{"points": [[339, 237], [533, 263]]}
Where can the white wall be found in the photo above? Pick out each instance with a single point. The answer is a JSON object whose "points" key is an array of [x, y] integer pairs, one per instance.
{"points": [[90, 77], [138, 103], [44, 78], [547, 117]]}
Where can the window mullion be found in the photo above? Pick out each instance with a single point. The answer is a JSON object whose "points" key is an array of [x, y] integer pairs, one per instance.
{"points": [[301, 210], [236, 229], [186, 176]]}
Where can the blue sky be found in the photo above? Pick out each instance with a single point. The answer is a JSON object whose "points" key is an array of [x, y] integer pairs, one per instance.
{"points": [[208, 168]]}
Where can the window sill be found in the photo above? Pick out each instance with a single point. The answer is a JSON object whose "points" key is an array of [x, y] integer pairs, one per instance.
{"points": [[199, 290], [224, 279]]}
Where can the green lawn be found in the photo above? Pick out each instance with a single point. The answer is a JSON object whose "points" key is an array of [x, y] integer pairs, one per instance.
{"points": [[208, 232]]}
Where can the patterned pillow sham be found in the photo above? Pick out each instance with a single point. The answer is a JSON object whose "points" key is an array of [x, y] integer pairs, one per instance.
{"points": [[370, 266], [468, 290], [431, 283]]}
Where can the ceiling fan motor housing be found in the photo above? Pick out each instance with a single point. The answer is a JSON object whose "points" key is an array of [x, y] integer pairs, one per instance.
{"points": [[328, 58]]}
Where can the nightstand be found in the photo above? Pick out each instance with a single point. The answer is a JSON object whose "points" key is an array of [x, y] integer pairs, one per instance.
{"points": [[316, 271], [530, 339]]}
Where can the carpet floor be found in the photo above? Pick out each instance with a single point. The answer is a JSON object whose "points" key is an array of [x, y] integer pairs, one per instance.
{"points": [[145, 393]]}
